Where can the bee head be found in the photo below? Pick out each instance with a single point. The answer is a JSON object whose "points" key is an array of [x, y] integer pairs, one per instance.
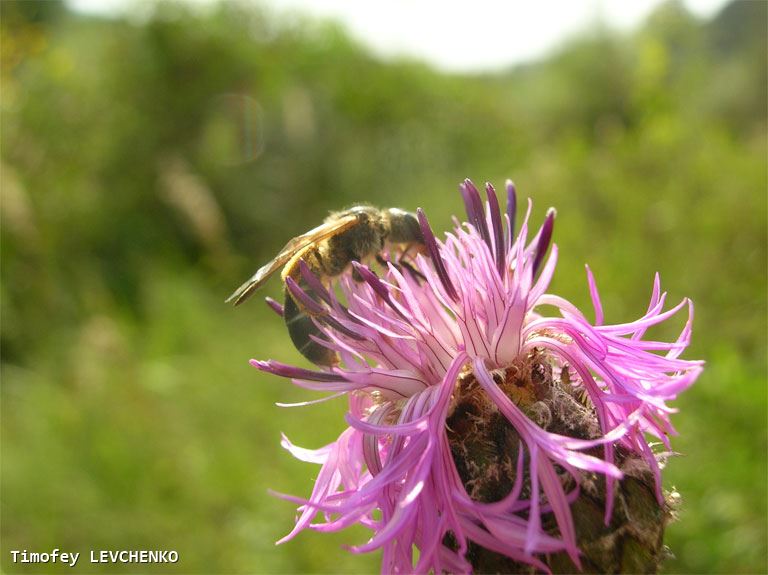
{"points": [[404, 227]]}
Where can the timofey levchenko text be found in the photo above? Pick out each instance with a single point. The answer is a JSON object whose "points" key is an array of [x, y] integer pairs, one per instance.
{"points": [[100, 556]]}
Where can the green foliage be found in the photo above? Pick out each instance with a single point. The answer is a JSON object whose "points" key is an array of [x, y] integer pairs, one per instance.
{"points": [[150, 163]]}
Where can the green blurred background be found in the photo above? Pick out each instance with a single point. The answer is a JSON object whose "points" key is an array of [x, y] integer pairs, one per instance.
{"points": [[150, 162]]}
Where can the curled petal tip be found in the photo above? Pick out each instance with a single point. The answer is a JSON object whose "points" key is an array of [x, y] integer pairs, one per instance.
{"points": [[274, 305], [303, 297], [497, 229], [511, 190], [511, 208], [370, 278], [434, 254], [304, 268], [367, 274], [549, 220], [475, 210], [377, 285], [312, 283], [293, 372], [545, 237]]}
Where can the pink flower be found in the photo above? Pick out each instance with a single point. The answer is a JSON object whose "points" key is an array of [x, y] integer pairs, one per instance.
{"points": [[469, 315]]}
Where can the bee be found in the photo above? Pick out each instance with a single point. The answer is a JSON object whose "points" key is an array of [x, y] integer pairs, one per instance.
{"points": [[356, 234]]}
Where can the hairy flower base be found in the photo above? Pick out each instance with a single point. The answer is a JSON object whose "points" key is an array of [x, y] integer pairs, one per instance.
{"points": [[482, 430], [485, 448]]}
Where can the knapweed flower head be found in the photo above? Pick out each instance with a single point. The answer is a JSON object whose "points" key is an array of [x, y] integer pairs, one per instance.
{"points": [[481, 407]]}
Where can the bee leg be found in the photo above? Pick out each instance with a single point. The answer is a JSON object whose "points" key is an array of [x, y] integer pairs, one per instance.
{"points": [[301, 327], [383, 262], [416, 274], [401, 265], [417, 248], [412, 250]]}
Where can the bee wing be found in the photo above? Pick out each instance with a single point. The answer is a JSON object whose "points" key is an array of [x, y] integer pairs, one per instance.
{"points": [[321, 232]]}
